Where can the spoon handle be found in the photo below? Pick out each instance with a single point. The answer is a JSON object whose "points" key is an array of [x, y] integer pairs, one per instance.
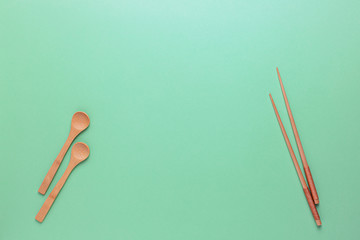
{"points": [[51, 198], [54, 167]]}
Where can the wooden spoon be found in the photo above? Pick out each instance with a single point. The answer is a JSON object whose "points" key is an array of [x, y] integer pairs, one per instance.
{"points": [[79, 153], [79, 123]]}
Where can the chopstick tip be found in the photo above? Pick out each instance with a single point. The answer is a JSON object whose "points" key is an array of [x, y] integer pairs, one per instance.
{"points": [[318, 222]]}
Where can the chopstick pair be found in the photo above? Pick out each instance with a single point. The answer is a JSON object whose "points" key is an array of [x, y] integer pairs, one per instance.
{"points": [[311, 195], [79, 153]]}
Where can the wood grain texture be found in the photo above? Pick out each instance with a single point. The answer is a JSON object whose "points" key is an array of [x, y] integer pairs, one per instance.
{"points": [[79, 123], [297, 167], [308, 175], [79, 153]]}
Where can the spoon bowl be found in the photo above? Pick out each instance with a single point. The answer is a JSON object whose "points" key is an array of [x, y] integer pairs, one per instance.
{"points": [[80, 121], [80, 152]]}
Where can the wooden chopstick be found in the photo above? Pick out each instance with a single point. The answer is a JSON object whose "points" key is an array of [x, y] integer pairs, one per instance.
{"points": [[297, 167], [299, 145]]}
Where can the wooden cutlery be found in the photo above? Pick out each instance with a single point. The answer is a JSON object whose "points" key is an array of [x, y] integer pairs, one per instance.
{"points": [[311, 195], [79, 153]]}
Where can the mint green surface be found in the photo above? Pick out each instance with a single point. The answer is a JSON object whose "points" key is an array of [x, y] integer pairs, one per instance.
{"points": [[183, 138]]}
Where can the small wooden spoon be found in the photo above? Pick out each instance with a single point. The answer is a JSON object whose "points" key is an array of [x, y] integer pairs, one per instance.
{"points": [[79, 153], [79, 123]]}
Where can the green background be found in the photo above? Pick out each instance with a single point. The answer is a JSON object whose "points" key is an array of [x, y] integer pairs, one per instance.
{"points": [[183, 138]]}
